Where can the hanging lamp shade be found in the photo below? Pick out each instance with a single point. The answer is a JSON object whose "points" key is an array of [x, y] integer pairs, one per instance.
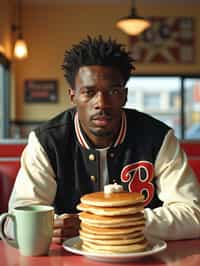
{"points": [[133, 24], [20, 48]]}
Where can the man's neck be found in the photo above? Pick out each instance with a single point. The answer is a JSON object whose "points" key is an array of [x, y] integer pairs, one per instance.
{"points": [[99, 142], [102, 142], [93, 140]]}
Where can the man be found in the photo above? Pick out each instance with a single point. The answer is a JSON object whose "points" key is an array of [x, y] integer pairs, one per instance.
{"points": [[99, 142]]}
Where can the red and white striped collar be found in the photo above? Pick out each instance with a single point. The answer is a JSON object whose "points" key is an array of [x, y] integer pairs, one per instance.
{"points": [[82, 140]]}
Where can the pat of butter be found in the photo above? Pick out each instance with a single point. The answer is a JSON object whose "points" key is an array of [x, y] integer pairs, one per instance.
{"points": [[112, 188]]}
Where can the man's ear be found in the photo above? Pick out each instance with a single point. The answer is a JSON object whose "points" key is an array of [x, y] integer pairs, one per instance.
{"points": [[71, 94]]}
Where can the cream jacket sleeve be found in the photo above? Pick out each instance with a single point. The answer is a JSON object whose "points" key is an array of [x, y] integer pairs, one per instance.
{"points": [[178, 188], [35, 182]]}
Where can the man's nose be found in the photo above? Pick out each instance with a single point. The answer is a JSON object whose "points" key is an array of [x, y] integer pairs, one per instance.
{"points": [[102, 100]]}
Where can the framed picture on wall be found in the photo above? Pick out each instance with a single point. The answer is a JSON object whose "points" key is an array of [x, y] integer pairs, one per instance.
{"points": [[40, 91], [169, 40]]}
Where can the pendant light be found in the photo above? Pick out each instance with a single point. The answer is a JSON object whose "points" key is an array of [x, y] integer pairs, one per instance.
{"points": [[20, 46], [133, 24]]}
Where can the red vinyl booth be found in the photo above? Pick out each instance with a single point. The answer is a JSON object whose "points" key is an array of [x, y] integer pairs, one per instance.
{"points": [[11, 150], [8, 172], [195, 165], [191, 148], [9, 165]]}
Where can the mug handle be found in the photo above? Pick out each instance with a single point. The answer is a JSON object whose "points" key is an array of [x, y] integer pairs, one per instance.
{"points": [[3, 235]]}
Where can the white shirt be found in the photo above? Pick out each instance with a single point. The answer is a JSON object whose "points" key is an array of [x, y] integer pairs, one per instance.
{"points": [[104, 179]]}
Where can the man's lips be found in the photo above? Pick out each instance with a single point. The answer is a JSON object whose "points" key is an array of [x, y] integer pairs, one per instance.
{"points": [[101, 120]]}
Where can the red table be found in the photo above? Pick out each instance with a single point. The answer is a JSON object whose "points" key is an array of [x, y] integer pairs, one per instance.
{"points": [[178, 253]]}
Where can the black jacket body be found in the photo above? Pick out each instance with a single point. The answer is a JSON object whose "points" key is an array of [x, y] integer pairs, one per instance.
{"points": [[131, 163]]}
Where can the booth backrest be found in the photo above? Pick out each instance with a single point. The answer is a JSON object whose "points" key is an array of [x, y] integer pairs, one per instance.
{"points": [[8, 172], [191, 148], [11, 150], [195, 165], [9, 166]]}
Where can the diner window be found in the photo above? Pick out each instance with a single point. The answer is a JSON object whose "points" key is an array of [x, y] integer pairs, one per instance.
{"points": [[192, 108], [174, 100], [4, 97], [151, 100], [157, 97]]}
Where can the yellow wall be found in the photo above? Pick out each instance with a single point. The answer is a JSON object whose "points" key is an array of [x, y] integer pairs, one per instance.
{"points": [[50, 29]]}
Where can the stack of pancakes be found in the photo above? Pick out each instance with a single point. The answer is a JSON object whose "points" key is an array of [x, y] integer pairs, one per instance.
{"points": [[112, 222]]}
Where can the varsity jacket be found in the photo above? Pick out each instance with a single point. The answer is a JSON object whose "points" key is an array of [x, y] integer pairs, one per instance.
{"points": [[75, 161]]}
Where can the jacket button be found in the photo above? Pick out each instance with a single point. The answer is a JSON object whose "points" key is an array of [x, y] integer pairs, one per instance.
{"points": [[91, 157], [93, 178], [111, 155]]}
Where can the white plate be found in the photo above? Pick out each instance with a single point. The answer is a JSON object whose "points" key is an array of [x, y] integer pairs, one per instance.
{"points": [[74, 245]]}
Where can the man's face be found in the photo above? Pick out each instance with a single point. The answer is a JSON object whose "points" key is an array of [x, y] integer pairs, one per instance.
{"points": [[99, 96]]}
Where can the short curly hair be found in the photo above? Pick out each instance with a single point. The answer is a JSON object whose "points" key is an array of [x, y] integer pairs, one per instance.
{"points": [[97, 51]]}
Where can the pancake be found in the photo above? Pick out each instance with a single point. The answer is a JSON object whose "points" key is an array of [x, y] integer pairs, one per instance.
{"points": [[91, 236], [133, 219], [115, 242], [110, 231], [117, 225], [111, 211], [136, 247], [102, 199]]}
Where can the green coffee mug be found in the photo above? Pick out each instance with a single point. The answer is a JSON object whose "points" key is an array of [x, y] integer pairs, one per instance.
{"points": [[33, 229]]}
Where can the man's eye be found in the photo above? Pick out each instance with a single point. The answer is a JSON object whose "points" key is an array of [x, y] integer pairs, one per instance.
{"points": [[115, 91], [88, 92]]}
